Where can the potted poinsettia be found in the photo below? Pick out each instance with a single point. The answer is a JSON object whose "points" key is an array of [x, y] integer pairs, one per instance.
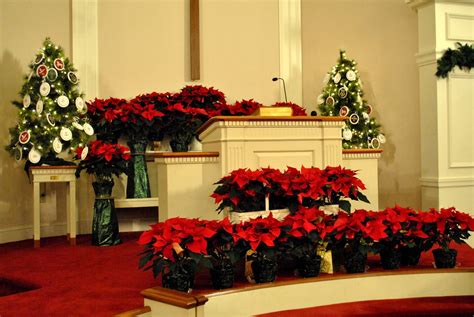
{"points": [[224, 249], [341, 184], [103, 160], [356, 232], [304, 232], [260, 235], [246, 194], [106, 118], [140, 118], [174, 248], [443, 227]]}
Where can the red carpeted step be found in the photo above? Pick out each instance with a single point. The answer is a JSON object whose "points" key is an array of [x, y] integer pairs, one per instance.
{"points": [[429, 306]]}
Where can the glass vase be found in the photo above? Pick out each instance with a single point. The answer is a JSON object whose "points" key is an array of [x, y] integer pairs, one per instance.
{"points": [[105, 229], [138, 184]]}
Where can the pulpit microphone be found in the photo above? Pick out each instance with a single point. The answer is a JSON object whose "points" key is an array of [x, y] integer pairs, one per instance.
{"points": [[284, 85]]}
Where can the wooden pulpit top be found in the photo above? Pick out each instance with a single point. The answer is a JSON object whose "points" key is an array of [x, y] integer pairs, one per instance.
{"points": [[261, 118]]}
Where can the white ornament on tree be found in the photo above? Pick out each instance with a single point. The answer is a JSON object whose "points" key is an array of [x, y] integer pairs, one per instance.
{"points": [[347, 134], [382, 138], [44, 89], [34, 156], [57, 145], [88, 129], [351, 75], [39, 106], [337, 78], [365, 116], [63, 101], [320, 99], [26, 101], [84, 153], [65, 134]]}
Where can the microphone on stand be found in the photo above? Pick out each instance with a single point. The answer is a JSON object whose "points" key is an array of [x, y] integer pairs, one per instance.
{"points": [[284, 85]]}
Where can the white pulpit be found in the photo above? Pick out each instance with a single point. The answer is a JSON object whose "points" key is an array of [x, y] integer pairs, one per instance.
{"points": [[277, 142]]}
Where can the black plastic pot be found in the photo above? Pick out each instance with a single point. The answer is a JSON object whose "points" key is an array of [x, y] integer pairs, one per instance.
{"points": [[309, 266], [264, 270], [410, 256], [355, 261], [390, 258], [222, 275], [179, 281], [445, 259]]}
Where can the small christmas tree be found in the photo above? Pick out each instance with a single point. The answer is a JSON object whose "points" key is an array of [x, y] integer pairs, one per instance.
{"points": [[52, 111], [342, 96]]}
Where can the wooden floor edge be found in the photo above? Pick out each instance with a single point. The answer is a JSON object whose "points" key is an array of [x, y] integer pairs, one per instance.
{"points": [[134, 312]]}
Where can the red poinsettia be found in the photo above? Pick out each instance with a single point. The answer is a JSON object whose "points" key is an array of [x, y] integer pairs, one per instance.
{"points": [[176, 235], [260, 233], [296, 110], [106, 117], [103, 158]]}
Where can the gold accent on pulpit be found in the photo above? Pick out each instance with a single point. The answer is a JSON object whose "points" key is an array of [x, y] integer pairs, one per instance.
{"points": [[273, 112]]}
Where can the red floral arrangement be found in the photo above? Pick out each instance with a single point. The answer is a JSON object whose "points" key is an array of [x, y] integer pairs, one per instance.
{"points": [[296, 110], [198, 96], [106, 117], [260, 233], [155, 105], [103, 159]]}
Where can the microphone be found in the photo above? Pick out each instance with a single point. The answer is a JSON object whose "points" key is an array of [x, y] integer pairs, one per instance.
{"points": [[284, 85]]}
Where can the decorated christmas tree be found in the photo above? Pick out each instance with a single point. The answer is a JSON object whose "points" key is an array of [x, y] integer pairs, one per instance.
{"points": [[52, 113], [343, 96]]}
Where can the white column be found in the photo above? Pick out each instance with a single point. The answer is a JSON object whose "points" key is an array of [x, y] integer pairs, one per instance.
{"points": [[446, 105], [290, 50], [85, 48]]}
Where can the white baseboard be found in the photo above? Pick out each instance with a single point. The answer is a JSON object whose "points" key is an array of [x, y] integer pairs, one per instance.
{"points": [[59, 229]]}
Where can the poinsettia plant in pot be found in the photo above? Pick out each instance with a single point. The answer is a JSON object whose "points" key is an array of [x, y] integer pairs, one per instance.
{"points": [[106, 118], [304, 233], [174, 248], [247, 191], [341, 184], [224, 249], [103, 160], [356, 232], [443, 227], [260, 236]]}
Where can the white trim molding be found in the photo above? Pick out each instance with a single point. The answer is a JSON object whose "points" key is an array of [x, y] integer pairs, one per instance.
{"points": [[85, 45], [446, 182], [291, 66]]}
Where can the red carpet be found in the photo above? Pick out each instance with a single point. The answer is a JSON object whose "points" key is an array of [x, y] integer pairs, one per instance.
{"points": [[74, 281], [92, 281]]}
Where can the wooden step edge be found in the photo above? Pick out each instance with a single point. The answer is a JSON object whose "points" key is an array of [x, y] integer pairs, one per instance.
{"points": [[135, 312]]}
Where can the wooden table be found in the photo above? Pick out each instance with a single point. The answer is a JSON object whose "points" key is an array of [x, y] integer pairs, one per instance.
{"points": [[54, 174]]}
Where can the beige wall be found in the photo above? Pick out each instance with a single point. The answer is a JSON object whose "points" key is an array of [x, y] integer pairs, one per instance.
{"points": [[381, 35], [143, 47], [20, 38]]}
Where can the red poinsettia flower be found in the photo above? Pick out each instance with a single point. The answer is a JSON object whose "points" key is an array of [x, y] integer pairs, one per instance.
{"points": [[259, 231], [149, 112]]}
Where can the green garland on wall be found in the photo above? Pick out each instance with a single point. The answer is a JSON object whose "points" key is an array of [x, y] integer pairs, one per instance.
{"points": [[462, 56]]}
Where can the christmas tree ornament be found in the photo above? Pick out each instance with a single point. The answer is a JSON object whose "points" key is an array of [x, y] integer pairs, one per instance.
{"points": [[354, 119], [24, 137], [347, 134], [330, 101], [72, 77], [39, 58], [58, 63], [45, 89], [50, 120], [381, 138], [18, 153], [57, 145], [344, 111], [42, 71], [65, 134], [88, 129], [326, 79], [365, 116], [52, 74], [39, 106], [26, 101], [84, 153], [351, 75], [79, 104], [320, 99], [368, 109], [77, 125], [63, 101], [34, 156], [374, 143], [337, 78], [342, 92]]}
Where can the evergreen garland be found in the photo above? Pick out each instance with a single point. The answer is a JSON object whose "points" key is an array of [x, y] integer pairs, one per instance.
{"points": [[462, 56]]}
